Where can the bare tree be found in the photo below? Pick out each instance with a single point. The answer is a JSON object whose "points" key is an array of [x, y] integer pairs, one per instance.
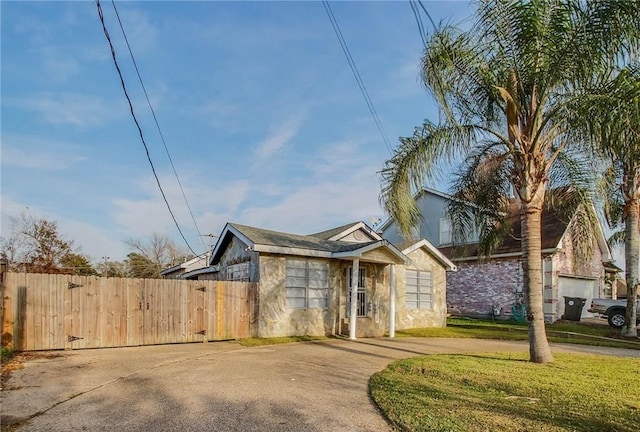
{"points": [[152, 255], [35, 245]]}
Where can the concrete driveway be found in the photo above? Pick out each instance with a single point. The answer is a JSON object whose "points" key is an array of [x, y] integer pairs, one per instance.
{"points": [[221, 386]]}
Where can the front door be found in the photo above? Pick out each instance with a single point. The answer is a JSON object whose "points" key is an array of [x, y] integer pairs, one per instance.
{"points": [[361, 305]]}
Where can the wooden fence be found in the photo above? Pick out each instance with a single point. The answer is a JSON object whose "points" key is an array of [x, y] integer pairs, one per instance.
{"points": [[43, 311]]}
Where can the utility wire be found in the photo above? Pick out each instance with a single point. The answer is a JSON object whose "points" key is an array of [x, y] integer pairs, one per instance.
{"points": [[356, 74], [133, 115], [144, 89], [416, 15], [426, 12]]}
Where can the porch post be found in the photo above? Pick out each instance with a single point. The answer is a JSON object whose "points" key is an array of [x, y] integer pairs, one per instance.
{"points": [[355, 273], [392, 301]]}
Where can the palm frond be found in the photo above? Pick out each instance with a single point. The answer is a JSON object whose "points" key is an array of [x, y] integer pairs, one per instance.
{"points": [[608, 190], [618, 238], [415, 161], [481, 197]]}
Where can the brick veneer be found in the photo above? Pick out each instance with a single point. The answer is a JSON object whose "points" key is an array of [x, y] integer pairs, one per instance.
{"points": [[476, 287]]}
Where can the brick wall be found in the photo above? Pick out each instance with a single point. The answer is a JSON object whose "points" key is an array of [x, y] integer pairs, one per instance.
{"points": [[476, 287]]}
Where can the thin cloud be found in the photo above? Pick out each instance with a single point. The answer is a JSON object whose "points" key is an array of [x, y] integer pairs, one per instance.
{"points": [[340, 185], [38, 153], [139, 28], [148, 214], [316, 206], [279, 138], [73, 109]]}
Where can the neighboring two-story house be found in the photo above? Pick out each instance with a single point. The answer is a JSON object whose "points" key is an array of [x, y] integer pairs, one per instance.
{"points": [[484, 287]]}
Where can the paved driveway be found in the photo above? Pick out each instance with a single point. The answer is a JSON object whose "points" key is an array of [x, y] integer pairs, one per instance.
{"points": [[222, 386]]}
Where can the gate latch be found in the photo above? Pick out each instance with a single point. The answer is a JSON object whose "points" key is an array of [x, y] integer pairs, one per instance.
{"points": [[203, 289], [73, 338], [73, 285]]}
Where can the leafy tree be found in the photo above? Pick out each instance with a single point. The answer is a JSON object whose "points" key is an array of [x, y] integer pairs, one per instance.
{"points": [[35, 245], [113, 269], [77, 264], [612, 121], [139, 266], [504, 89], [152, 255]]}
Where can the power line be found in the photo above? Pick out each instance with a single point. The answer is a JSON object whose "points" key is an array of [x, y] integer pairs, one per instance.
{"points": [[418, 18], [426, 12], [155, 119], [356, 74], [133, 115]]}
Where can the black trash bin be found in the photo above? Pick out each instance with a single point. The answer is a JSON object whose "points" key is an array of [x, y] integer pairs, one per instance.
{"points": [[573, 308]]}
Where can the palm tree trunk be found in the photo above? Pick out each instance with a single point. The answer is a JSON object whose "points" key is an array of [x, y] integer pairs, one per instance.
{"points": [[632, 258], [530, 217]]}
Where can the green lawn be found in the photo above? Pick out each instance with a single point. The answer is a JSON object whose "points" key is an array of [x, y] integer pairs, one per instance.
{"points": [[505, 392], [562, 331], [250, 342]]}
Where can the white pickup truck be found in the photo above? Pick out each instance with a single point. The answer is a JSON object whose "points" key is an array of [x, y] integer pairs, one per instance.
{"points": [[614, 310]]}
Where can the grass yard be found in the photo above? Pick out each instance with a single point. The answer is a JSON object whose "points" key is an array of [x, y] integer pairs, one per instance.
{"points": [[505, 392], [561, 331], [251, 342]]}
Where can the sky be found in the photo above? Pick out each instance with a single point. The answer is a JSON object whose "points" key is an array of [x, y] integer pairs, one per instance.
{"points": [[259, 110]]}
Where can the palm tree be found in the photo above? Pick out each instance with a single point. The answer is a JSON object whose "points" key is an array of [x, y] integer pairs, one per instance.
{"points": [[503, 89], [613, 114]]}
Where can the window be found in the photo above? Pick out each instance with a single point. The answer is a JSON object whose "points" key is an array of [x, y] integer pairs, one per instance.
{"points": [[419, 289], [361, 294], [238, 272], [307, 284], [445, 231]]}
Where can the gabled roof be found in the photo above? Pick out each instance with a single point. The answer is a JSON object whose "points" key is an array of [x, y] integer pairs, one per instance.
{"points": [[553, 228], [411, 246], [262, 240], [341, 232]]}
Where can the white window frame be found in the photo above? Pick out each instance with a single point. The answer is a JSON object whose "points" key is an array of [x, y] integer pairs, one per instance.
{"points": [[445, 231], [239, 272], [363, 306], [307, 284], [418, 289]]}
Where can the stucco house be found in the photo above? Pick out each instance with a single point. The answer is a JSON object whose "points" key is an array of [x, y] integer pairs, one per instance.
{"points": [[305, 282], [484, 286]]}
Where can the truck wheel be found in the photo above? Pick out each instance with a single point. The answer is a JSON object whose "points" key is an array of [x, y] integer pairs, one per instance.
{"points": [[616, 318]]}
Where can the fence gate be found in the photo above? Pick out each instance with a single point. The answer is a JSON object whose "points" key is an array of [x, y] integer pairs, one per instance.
{"points": [[42, 312]]}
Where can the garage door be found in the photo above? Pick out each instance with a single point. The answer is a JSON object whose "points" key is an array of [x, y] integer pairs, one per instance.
{"points": [[576, 287]]}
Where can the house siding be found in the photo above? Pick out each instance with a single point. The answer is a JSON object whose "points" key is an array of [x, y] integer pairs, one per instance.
{"points": [[275, 318], [418, 318], [236, 252], [565, 263], [479, 286], [432, 208]]}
